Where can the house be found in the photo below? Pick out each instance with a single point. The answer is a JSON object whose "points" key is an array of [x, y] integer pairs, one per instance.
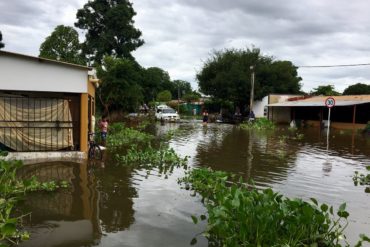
{"points": [[349, 112], [45, 105], [261, 109]]}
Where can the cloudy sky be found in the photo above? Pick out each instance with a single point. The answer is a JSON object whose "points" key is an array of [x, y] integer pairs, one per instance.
{"points": [[180, 34]]}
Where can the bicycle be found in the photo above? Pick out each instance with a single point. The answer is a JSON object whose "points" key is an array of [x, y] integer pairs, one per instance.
{"points": [[94, 149]]}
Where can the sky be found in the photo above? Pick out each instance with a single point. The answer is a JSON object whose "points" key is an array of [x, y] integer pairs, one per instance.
{"points": [[180, 35]]}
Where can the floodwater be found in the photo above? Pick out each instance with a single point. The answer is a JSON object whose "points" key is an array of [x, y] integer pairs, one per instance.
{"points": [[108, 205]]}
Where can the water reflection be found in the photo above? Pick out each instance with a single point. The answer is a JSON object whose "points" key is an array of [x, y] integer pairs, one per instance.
{"points": [[109, 205], [96, 202]]}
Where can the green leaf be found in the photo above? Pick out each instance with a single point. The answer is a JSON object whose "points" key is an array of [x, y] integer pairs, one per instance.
{"points": [[203, 217], [368, 168], [331, 210], [8, 229], [314, 201], [342, 207], [195, 219], [324, 207]]}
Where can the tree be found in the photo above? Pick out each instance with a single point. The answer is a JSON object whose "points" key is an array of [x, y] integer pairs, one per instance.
{"points": [[180, 88], [63, 45], [120, 89], [357, 89], [110, 29], [154, 81], [164, 96], [327, 90], [192, 96], [226, 76], [1, 43]]}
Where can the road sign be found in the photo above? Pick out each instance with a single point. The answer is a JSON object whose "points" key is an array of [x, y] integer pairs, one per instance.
{"points": [[330, 102]]}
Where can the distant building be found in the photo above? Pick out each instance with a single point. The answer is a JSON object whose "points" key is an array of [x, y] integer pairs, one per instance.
{"points": [[45, 105], [349, 112]]}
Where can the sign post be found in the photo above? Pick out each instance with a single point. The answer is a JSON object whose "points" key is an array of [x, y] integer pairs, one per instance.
{"points": [[330, 103]]}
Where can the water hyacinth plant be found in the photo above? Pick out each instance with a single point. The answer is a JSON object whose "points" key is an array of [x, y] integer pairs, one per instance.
{"points": [[259, 124], [120, 136], [241, 215], [362, 179]]}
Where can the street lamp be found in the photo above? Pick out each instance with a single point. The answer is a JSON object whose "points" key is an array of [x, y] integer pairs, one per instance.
{"points": [[252, 89]]}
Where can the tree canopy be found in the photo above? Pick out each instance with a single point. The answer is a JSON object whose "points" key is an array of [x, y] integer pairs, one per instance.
{"points": [[63, 45], [226, 75], [164, 96], [110, 29], [120, 89], [327, 90], [1, 43], [357, 89], [154, 81], [180, 88]]}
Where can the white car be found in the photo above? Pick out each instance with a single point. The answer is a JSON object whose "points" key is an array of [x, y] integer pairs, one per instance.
{"points": [[167, 114]]}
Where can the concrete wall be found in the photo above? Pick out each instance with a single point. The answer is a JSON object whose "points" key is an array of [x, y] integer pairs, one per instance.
{"points": [[26, 74], [259, 107], [280, 115]]}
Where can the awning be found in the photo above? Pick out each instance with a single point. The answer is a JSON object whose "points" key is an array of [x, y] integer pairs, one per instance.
{"points": [[304, 103]]}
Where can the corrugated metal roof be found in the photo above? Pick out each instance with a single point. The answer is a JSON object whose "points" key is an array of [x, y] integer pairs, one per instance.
{"points": [[320, 101]]}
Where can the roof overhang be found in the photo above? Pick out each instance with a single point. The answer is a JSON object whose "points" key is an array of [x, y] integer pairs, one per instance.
{"points": [[317, 103]]}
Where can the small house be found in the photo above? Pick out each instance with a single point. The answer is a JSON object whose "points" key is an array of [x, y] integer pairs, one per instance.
{"points": [[45, 105]]}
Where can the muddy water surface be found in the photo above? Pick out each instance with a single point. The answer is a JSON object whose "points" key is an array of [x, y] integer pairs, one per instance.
{"points": [[108, 205]]}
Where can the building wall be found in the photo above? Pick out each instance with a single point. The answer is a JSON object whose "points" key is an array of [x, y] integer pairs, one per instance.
{"points": [[259, 107], [21, 74]]}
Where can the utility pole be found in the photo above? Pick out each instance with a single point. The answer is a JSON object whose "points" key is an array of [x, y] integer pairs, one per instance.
{"points": [[252, 89]]}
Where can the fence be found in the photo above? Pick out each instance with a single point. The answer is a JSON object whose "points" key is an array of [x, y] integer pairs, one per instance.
{"points": [[38, 123]]}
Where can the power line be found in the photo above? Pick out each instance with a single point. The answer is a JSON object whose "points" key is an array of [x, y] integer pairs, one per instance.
{"points": [[333, 66]]}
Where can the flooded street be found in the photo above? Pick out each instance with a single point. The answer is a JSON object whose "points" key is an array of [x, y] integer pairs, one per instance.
{"points": [[110, 205]]}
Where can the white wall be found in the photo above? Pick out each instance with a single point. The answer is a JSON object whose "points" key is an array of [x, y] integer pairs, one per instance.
{"points": [[26, 74], [259, 107]]}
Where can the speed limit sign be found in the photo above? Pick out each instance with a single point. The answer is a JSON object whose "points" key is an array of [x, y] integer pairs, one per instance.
{"points": [[330, 102]]}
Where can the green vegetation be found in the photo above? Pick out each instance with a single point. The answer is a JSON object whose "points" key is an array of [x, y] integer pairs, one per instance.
{"points": [[241, 215], [164, 159], [123, 137], [109, 27], [259, 124], [11, 191], [226, 76], [357, 89], [138, 150], [164, 96], [362, 179], [327, 90], [63, 45]]}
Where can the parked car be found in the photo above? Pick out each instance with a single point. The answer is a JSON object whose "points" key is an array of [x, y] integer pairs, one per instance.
{"points": [[167, 114]]}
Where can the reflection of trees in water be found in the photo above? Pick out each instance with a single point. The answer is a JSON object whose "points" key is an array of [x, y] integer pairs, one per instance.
{"points": [[115, 204], [257, 155]]}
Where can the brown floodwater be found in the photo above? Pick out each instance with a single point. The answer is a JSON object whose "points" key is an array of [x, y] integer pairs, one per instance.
{"points": [[109, 205]]}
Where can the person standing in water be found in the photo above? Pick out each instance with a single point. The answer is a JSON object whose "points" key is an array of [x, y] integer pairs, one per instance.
{"points": [[103, 130], [205, 117]]}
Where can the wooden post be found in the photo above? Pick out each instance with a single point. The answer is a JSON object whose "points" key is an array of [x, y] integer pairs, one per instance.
{"points": [[354, 117]]}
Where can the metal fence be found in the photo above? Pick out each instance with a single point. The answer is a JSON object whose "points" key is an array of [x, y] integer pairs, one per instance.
{"points": [[39, 123]]}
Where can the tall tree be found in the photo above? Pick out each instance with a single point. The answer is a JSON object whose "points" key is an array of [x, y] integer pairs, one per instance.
{"points": [[63, 45], [1, 43], [154, 81], [226, 76], [110, 29], [357, 89], [327, 90], [180, 88], [120, 89]]}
